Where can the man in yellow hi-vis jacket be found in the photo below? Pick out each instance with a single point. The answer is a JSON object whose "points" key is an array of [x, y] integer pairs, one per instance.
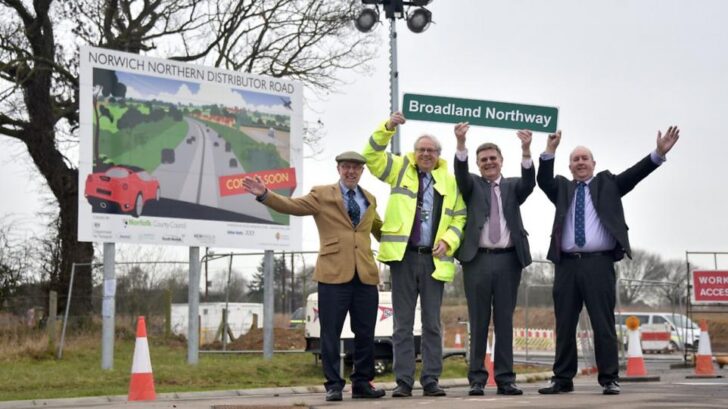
{"points": [[422, 228]]}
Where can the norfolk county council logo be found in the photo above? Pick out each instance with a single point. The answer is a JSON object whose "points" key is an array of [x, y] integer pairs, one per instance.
{"points": [[386, 312], [133, 222]]}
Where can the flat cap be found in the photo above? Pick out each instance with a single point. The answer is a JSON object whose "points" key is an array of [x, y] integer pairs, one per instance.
{"points": [[351, 156]]}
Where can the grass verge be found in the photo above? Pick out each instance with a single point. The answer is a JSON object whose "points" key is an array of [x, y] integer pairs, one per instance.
{"points": [[39, 376]]}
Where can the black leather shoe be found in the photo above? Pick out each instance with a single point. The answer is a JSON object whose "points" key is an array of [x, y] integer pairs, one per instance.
{"points": [[433, 389], [612, 388], [557, 387], [333, 395], [509, 389], [476, 389], [366, 391], [402, 391]]}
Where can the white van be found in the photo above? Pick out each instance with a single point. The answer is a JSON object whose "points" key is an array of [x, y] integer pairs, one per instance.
{"points": [[679, 335], [382, 332]]}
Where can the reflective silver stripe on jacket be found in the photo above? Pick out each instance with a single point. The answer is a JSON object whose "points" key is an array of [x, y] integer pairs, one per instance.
{"points": [[457, 231], [401, 172], [388, 168], [393, 238], [447, 259], [377, 147], [403, 191]]}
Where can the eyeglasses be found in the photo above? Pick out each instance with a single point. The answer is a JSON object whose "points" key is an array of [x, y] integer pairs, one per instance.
{"points": [[427, 150], [351, 166]]}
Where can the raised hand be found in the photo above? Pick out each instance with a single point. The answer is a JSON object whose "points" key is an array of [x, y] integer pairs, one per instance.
{"points": [[525, 136], [254, 186], [395, 120], [553, 142], [461, 130], [666, 142]]}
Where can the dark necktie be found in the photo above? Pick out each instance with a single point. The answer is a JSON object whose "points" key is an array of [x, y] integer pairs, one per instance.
{"points": [[579, 233], [494, 231], [354, 209], [416, 233]]}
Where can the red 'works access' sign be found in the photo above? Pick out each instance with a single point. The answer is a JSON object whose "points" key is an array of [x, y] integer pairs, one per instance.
{"points": [[710, 286], [273, 179]]}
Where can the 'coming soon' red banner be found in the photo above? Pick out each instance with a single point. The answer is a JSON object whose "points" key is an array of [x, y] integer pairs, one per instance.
{"points": [[273, 179]]}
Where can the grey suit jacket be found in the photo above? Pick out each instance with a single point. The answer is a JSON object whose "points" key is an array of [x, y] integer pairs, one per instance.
{"points": [[476, 193]]}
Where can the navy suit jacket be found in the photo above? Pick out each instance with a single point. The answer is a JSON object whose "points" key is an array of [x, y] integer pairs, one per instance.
{"points": [[476, 193], [606, 191]]}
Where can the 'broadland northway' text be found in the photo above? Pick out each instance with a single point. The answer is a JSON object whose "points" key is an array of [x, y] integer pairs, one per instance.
{"points": [[491, 113]]}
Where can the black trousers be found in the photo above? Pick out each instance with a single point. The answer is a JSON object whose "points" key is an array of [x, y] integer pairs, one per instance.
{"points": [[491, 284], [361, 302], [591, 282]]}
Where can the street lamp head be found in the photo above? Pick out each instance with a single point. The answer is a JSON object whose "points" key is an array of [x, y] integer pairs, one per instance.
{"points": [[419, 20], [366, 20]]}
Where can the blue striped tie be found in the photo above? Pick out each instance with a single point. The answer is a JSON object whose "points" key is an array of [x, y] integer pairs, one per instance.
{"points": [[579, 233], [354, 209]]}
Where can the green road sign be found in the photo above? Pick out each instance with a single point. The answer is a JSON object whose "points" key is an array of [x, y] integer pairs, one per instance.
{"points": [[484, 113]]}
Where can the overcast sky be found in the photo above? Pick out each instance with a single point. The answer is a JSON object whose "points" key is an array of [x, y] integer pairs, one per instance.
{"points": [[618, 71]]}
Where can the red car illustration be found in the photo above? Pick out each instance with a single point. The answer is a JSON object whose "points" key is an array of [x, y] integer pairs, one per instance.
{"points": [[125, 187]]}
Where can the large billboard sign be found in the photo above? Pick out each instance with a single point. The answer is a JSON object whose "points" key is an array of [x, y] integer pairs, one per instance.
{"points": [[710, 287], [165, 146]]}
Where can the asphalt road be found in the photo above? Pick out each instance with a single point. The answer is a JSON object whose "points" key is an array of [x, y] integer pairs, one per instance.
{"points": [[673, 390], [200, 160]]}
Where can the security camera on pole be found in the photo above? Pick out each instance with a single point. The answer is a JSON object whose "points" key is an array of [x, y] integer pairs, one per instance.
{"points": [[418, 20]]}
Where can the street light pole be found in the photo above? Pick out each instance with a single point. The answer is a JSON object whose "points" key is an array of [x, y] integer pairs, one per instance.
{"points": [[393, 81], [417, 21]]}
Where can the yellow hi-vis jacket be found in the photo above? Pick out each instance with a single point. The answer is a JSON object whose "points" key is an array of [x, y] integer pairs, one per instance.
{"points": [[401, 174]]}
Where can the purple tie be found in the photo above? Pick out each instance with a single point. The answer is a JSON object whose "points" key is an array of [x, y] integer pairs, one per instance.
{"points": [[494, 218], [417, 224]]}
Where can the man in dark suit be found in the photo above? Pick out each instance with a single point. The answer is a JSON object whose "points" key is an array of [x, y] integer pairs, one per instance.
{"points": [[347, 275], [493, 253], [589, 235]]}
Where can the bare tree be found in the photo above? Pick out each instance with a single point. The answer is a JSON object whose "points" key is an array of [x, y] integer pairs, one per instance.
{"points": [[15, 260], [39, 85], [633, 273], [674, 272]]}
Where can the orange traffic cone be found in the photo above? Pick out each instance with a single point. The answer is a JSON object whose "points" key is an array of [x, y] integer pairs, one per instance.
{"points": [[635, 361], [636, 371], [141, 386], [489, 365], [458, 340], [704, 359]]}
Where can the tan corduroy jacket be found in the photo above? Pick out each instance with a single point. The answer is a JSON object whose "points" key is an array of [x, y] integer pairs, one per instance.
{"points": [[344, 248]]}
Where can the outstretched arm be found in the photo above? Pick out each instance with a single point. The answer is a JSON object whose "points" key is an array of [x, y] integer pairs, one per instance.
{"points": [[666, 142], [301, 206], [462, 175], [255, 186], [545, 177], [528, 175], [383, 164], [628, 179], [553, 142]]}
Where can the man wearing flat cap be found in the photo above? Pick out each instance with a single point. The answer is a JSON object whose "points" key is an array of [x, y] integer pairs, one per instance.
{"points": [[347, 275]]}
